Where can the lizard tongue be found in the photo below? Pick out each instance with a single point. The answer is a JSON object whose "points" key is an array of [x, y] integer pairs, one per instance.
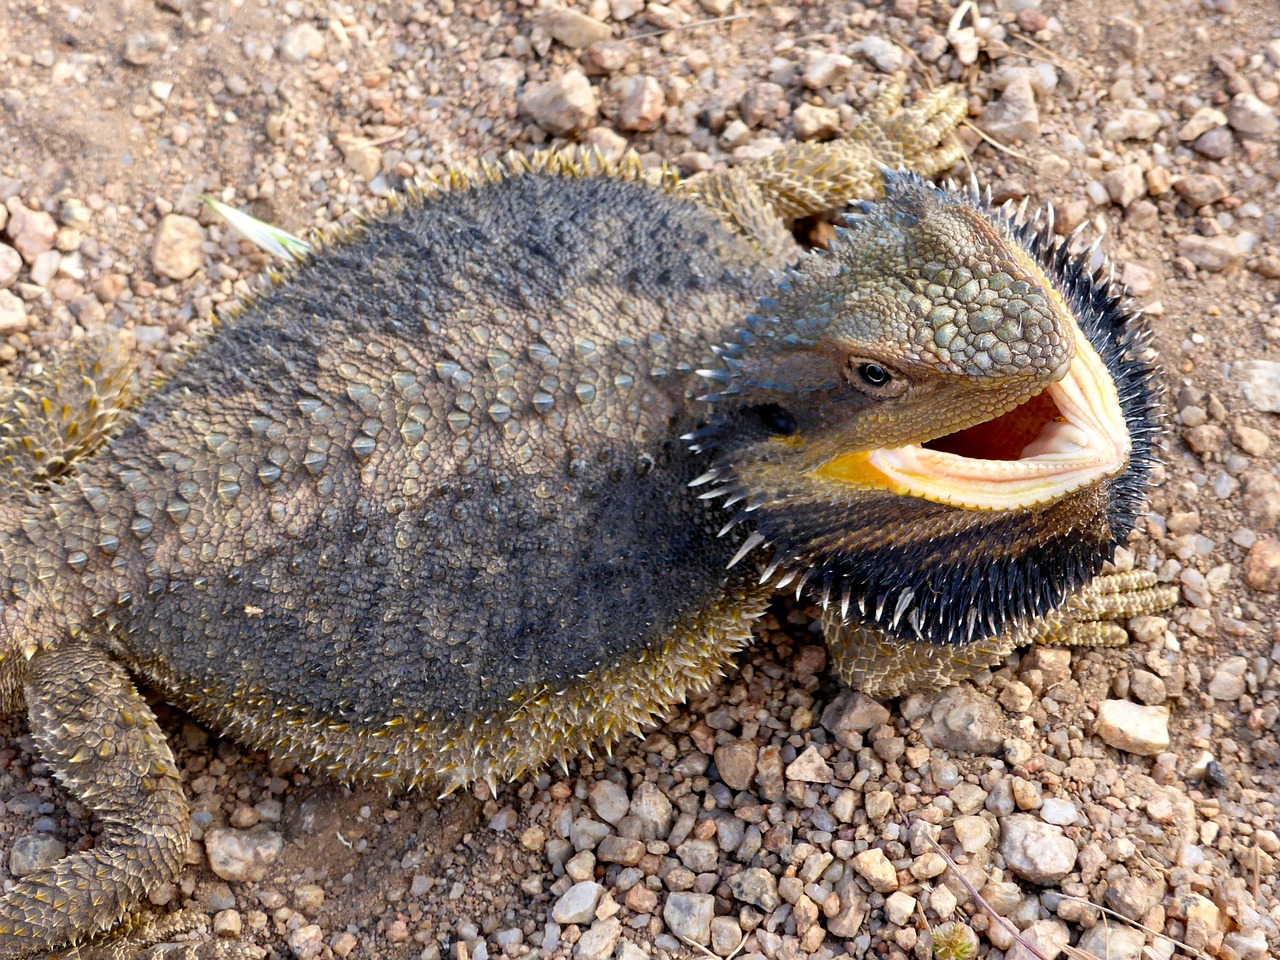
{"points": [[1056, 438]]}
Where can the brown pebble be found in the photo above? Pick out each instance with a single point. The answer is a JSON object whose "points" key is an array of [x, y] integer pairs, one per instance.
{"points": [[1262, 566]]}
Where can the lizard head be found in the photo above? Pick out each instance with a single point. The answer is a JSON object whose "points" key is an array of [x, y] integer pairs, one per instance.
{"points": [[943, 420]]}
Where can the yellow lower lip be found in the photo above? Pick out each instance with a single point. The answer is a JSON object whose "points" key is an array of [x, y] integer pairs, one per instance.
{"points": [[1087, 399]]}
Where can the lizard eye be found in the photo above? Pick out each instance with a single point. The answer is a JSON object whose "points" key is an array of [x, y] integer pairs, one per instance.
{"points": [[873, 379], [873, 375]]}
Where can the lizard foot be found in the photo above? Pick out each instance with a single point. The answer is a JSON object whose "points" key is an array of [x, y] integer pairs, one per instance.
{"points": [[804, 179], [1085, 619], [883, 666], [104, 745], [152, 939], [919, 137]]}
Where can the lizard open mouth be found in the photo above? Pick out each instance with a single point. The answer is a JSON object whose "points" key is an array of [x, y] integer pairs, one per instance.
{"points": [[1070, 435]]}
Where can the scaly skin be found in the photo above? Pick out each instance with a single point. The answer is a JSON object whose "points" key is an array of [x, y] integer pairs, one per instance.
{"points": [[421, 512]]}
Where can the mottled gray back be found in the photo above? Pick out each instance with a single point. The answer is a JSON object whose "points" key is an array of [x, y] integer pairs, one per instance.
{"points": [[439, 465]]}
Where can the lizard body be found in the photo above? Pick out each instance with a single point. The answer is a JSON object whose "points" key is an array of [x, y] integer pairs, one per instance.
{"points": [[423, 512]]}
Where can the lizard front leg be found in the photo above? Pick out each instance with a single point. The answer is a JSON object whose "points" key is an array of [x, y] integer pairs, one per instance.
{"points": [[104, 745], [884, 666], [803, 179]]}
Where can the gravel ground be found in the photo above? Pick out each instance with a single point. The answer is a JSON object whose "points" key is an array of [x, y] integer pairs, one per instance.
{"points": [[777, 816]]}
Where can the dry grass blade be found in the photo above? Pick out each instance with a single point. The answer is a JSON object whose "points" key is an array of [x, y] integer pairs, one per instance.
{"points": [[692, 26], [1003, 148]]}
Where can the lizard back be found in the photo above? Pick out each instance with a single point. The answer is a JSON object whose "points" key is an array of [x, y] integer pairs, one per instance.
{"points": [[439, 466]]}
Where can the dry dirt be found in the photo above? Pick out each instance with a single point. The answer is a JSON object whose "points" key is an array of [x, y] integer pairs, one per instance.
{"points": [[114, 114]]}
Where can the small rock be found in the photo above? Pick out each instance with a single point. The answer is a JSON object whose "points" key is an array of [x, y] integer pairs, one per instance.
{"points": [[574, 29], [1262, 566], [611, 145], [1058, 811], [609, 800], [1036, 851], [620, 850], [1211, 254], [852, 912], [759, 105], [1137, 729], [826, 70], [878, 805], [964, 721], [1046, 939], [1250, 116], [1125, 184], [13, 314], [809, 767], [1201, 122], [972, 833], [1252, 441], [769, 774], [899, 908], [688, 916], [874, 867], [10, 264], [300, 43], [885, 55], [578, 904], [625, 9], [736, 762], [815, 123], [308, 898], [1228, 679], [239, 855], [1200, 189], [503, 820], [1129, 36], [227, 924], [1250, 945], [362, 157], [726, 934], [643, 104], [35, 852], [1133, 125], [652, 809], [177, 252], [502, 74], [1015, 116], [853, 713], [1217, 144], [1205, 439], [1113, 941], [606, 56], [661, 16], [1133, 897], [1146, 686], [306, 942], [31, 232], [756, 886], [585, 833], [145, 47], [598, 942], [565, 105], [700, 856], [1261, 384]]}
